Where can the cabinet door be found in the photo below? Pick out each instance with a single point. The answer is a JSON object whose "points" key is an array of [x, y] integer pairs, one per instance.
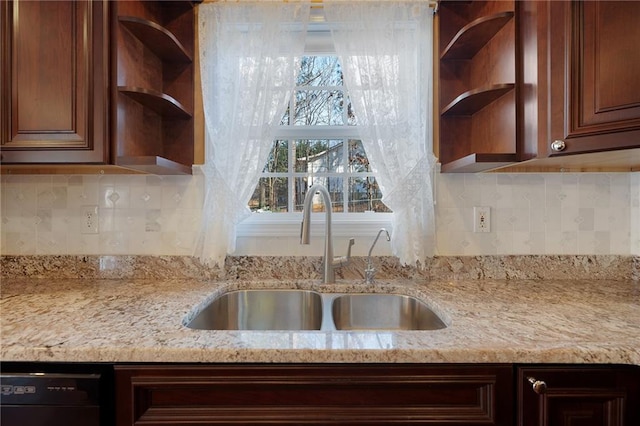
{"points": [[585, 396], [314, 394], [594, 88], [54, 81]]}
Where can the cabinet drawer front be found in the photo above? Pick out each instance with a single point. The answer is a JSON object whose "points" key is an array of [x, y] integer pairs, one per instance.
{"points": [[315, 395]]}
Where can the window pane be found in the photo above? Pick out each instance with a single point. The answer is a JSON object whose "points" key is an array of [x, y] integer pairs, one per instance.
{"points": [[278, 158], [320, 71], [318, 155], [351, 117], [319, 108], [358, 161], [333, 185], [298, 162], [365, 195], [270, 195], [286, 116]]}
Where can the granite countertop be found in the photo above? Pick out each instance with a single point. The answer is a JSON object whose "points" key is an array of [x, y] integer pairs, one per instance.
{"points": [[490, 321]]}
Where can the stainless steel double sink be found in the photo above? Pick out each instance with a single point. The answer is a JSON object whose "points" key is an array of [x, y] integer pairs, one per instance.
{"points": [[311, 310]]}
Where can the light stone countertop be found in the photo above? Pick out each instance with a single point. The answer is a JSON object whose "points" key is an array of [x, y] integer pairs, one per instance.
{"points": [[490, 321]]}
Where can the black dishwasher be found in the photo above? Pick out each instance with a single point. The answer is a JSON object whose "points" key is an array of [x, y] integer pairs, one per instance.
{"points": [[73, 397]]}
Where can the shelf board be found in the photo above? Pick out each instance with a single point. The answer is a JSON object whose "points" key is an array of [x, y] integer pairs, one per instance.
{"points": [[161, 103], [154, 165], [473, 101], [157, 38], [473, 36], [479, 162], [64, 169]]}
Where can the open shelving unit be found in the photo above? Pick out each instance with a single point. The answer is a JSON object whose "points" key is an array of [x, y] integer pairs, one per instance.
{"points": [[153, 100], [479, 85], [474, 100]]}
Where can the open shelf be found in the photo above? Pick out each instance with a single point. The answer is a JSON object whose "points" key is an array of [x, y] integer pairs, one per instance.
{"points": [[480, 82], [153, 164], [479, 162], [473, 101], [153, 90], [157, 38], [161, 103], [475, 35]]}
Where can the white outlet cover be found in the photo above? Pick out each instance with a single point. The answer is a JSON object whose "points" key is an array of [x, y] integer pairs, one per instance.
{"points": [[482, 219], [89, 220]]}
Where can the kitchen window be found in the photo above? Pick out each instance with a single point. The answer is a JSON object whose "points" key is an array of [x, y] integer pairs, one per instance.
{"points": [[272, 131], [317, 142]]}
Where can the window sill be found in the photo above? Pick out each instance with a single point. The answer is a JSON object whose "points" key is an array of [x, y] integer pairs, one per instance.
{"points": [[288, 225]]}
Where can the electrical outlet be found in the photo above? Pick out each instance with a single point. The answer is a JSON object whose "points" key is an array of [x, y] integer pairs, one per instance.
{"points": [[482, 219], [90, 219]]}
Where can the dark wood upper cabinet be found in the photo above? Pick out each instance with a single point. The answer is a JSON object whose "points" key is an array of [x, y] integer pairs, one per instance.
{"points": [[595, 75], [539, 85], [578, 395], [153, 79], [107, 83], [54, 81], [581, 88]]}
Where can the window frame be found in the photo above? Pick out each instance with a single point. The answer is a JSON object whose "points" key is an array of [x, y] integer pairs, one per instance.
{"points": [[273, 225]]}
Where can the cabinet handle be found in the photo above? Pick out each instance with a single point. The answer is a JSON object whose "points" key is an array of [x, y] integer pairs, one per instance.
{"points": [[558, 145], [538, 386]]}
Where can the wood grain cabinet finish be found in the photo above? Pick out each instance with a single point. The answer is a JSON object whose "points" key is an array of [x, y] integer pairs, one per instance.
{"points": [[584, 396], [153, 85], [314, 394], [581, 71], [515, 77], [54, 81], [595, 77], [479, 82]]}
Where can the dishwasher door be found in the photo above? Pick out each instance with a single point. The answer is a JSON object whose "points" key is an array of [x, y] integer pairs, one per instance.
{"points": [[49, 399]]}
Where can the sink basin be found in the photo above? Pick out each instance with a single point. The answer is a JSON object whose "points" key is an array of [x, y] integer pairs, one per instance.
{"points": [[383, 312], [262, 310], [294, 309]]}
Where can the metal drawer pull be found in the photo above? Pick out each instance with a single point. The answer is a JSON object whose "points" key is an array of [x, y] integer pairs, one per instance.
{"points": [[538, 386]]}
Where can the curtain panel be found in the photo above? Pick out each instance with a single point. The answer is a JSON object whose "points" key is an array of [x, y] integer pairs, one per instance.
{"points": [[249, 55], [249, 52], [386, 53]]}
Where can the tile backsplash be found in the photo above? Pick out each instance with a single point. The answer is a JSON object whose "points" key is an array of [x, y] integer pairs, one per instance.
{"points": [[545, 213]]}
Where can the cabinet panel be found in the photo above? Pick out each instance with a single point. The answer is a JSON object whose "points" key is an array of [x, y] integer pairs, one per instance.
{"points": [[594, 90], [585, 396], [314, 394], [54, 82]]}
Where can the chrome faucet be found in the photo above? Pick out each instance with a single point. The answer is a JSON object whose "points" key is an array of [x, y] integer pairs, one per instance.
{"points": [[330, 263], [371, 271]]}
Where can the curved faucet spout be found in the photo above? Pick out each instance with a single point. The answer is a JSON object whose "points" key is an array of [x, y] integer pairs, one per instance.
{"points": [[370, 270], [330, 263], [306, 211]]}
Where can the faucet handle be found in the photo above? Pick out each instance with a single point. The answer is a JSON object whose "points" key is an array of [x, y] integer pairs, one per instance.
{"points": [[344, 260], [352, 241]]}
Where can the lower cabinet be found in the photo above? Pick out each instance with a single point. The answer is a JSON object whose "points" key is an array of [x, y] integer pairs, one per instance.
{"points": [[377, 394], [578, 395], [314, 394]]}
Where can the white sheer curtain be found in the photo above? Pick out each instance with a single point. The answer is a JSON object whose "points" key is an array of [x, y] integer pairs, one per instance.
{"points": [[386, 53], [248, 57]]}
